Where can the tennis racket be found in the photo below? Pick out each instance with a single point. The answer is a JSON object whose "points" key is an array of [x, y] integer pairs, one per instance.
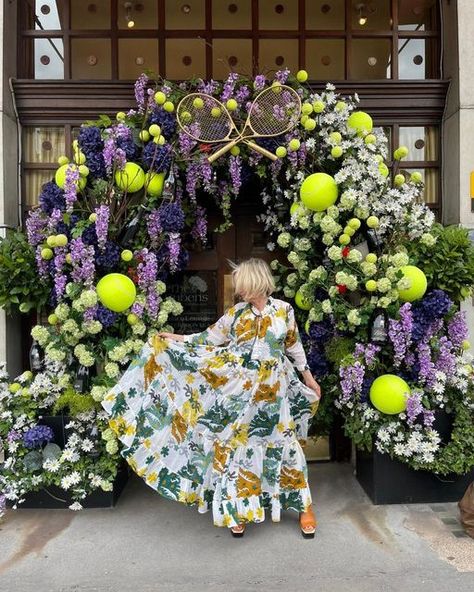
{"points": [[205, 119], [274, 111]]}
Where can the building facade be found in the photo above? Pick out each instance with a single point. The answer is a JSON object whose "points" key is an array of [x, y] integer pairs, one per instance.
{"points": [[66, 61]]}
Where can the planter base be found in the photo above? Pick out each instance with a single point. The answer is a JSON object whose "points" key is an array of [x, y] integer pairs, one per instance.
{"points": [[388, 481]]}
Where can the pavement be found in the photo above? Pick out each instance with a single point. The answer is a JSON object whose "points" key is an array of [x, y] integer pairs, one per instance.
{"points": [[150, 544]]}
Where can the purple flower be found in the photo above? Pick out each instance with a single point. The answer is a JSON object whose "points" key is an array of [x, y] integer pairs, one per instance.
{"points": [[60, 279], [229, 86], [426, 374], [208, 87], [414, 408], [90, 313], [154, 227], [51, 198], [109, 257], [83, 268], [457, 329], [37, 436], [434, 306], [447, 360], [35, 227], [174, 248], [147, 271], [199, 230], [140, 87], [259, 82], [102, 225], [282, 76], [157, 158], [71, 186], [235, 167], [352, 378], [171, 217], [105, 316], [91, 143], [242, 94], [167, 121], [114, 157], [13, 435], [399, 332]]}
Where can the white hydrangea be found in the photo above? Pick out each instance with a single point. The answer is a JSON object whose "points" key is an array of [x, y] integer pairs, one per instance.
{"points": [[284, 239], [335, 253]]}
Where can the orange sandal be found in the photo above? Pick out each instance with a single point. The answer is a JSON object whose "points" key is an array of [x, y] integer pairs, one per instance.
{"points": [[237, 531], [308, 523]]}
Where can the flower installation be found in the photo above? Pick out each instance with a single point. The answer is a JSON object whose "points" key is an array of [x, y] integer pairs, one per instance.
{"points": [[115, 227]]}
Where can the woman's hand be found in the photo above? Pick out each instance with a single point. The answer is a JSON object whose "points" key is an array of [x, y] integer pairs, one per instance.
{"points": [[311, 383], [172, 336]]}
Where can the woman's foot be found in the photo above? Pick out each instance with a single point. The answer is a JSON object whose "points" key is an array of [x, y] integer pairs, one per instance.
{"points": [[308, 523], [238, 531]]}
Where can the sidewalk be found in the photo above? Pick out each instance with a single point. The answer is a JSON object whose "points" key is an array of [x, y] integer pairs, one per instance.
{"points": [[150, 544]]}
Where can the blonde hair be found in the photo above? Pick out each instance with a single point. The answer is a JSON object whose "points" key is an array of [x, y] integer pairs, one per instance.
{"points": [[252, 278]]}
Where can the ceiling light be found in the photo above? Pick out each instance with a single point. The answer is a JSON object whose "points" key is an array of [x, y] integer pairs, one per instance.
{"points": [[361, 9], [128, 14], [362, 20]]}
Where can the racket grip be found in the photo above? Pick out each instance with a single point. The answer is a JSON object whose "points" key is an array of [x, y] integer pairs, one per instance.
{"points": [[223, 150], [262, 150]]}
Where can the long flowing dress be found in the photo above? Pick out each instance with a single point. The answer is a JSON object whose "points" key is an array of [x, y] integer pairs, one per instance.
{"points": [[218, 420]]}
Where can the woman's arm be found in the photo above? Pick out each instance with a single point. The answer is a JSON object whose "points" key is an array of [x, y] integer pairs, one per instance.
{"points": [[216, 334]]}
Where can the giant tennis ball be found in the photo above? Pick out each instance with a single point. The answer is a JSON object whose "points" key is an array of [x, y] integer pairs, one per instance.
{"points": [[131, 178], [116, 291], [389, 394], [319, 191], [360, 121], [154, 183], [418, 283], [301, 301], [60, 177]]}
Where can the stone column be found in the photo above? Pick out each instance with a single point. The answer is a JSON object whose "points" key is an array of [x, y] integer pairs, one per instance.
{"points": [[10, 337]]}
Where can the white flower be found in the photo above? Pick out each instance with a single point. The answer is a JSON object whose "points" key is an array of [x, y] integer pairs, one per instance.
{"points": [[75, 506], [52, 465], [87, 445]]}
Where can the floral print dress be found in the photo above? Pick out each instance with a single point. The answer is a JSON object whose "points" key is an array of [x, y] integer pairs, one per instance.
{"points": [[218, 420]]}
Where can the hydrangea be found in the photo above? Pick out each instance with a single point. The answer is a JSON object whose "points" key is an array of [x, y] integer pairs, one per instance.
{"points": [[384, 285], [353, 317], [399, 259], [84, 355], [318, 274], [40, 334], [37, 436], [284, 239], [293, 257], [368, 269], [112, 447], [335, 253], [112, 370], [428, 239], [92, 327], [302, 244]]}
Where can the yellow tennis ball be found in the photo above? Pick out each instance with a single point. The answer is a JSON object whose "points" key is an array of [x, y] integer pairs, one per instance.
{"points": [[53, 319], [383, 168], [335, 137], [92, 217], [154, 183], [61, 240], [336, 152], [399, 180], [160, 98], [69, 258], [372, 222], [349, 230], [144, 136], [126, 255], [121, 116], [306, 108], [354, 223], [131, 178], [155, 130], [294, 145], [79, 157], [304, 119], [344, 239], [161, 140], [168, 106], [62, 160], [281, 152], [371, 258], [235, 150], [309, 124], [319, 106], [302, 76], [301, 301], [319, 191], [51, 241], [360, 121], [116, 291], [416, 177], [370, 139], [276, 87], [216, 112], [232, 104], [198, 103], [370, 285], [46, 254]]}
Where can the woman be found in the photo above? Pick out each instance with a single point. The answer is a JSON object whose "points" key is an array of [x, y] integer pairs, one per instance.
{"points": [[216, 418]]}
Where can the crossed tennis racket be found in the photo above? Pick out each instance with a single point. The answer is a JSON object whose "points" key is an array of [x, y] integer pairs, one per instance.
{"points": [[275, 111]]}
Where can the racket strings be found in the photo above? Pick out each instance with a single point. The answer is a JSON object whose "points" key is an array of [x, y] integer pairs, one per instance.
{"points": [[204, 118], [273, 113]]}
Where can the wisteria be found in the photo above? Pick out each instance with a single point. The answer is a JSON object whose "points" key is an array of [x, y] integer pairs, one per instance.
{"points": [[147, 272], [82, 259], [140, 92], [400, 333], [71, 187]]}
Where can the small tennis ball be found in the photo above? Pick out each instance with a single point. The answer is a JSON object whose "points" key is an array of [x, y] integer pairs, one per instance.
{"points": [[401, 152], [62, 160], [168, 106], [144, 135], [399, 180], [281, 152], [79, 157], [61, 240], [51, 241], [335, 137], [126, 255], [349, 230], [161, 140], [155, 130], [216, 112], [310, 124], [302, 76], [93, 217], [198, 103], [371, 285], [336, 152], [14, 387], [306, 108], [371, 258], [83, 170], [383, 168], [304, 119], [466, 344], [319, 106], [235, 150], [46, 254], [276, 87], [121, 116], [69, 258], [354, 223], [344, 239], [340, 106], [416, 177], [232, 104], [378, 158], [294, 145], [370, 139], [372, 222], [132, 319], [53, 319], [160, 98]]}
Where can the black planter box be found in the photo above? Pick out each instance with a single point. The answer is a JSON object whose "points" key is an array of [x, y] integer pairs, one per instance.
{"points": [[388, 481], [54, 497]]}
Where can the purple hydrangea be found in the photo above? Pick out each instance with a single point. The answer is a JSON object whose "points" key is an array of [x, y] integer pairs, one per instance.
{"points": [[157, 158], [37, 436], [91, 143], [435, 305], [105, 316], [109, 257], [166, 121], [171, 217], [51, 198]]}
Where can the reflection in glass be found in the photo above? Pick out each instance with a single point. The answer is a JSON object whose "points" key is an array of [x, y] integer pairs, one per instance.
{"points": [[325, 15], [48, 15], [137, 15], [370, 59], [135, 56], [422, 142], [415, 59], [417, 15], [371, 14], [49, 59], [86, 14], [43, 144], [325, 59], [277, 15], [91, 59]]}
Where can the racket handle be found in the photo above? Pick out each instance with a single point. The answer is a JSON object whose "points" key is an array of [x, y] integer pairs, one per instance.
{"points": [[223, 150], [262, 150]]}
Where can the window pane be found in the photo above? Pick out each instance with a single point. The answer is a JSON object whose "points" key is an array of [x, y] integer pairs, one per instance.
{"points": [[34, 180], [91, 59], [422, 142], [431, 180], [143, 15], [370, 59], [278, 53], [278, 15], [90, 15], [371, 15], [417, 59], [328, 15], [232, 15], [417, 15], [136, 56], [48, 15], [231, 55], [185, 15], [43, 144], [185, 58], [49, 59], [325, 59]]}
